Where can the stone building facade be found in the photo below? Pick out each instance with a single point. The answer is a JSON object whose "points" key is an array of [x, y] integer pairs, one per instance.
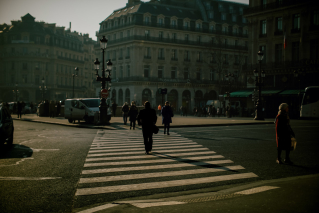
{"points": [[287, 32], [184, 46], [31, 51]]}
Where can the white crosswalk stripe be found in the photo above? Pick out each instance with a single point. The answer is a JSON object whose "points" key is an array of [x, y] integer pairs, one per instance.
{"points": [[117, 158]]}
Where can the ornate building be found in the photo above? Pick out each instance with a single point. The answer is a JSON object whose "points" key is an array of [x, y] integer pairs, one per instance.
{"points": [[185, 46], [287, 32], [32, 51]]}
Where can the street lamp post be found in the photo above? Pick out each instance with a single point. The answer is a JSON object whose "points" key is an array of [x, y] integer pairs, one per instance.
{"points": [[296, 73], [259, 75], [228, 77], [43, 88], [74, 75], [106, 77]]}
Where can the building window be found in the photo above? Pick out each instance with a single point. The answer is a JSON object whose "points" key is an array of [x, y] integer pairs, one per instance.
{"points": [[160, 35], [198, 74], [114, 72], [37, 79], [225, 29], [160, 22], [114, 55], [278, 52], [241, 11], [25, 66], [244, 20], [128, 33], [161, 53], [25, 78], [121, 72], [186, 73], [263, 49], [263, 26], [235, 31], [211, 75], [160, 71], [186, 38], [114, 37], [295, 51], [121, 35], [173, 72], [296, 22], [187, 58], [186, 24], [279, 24], [173, 23], [199, 57], [211, 14], [147, 20], [263, 3], [236, 43], [208, 5], [223, 16], [198, 26], [226, 41], [147, 33], [174, 37], [236, 59], [198, 39], [314, 49], [146, 71], [174, 54], [128, 54], [121, 54], [234, 18], [226, 58], [147, 52]]}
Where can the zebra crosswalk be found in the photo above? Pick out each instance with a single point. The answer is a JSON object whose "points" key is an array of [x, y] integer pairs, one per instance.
{"points": [[116, 163]]}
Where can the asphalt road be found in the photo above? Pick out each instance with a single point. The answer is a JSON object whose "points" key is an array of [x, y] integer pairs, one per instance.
{"points": [[42, 172]]}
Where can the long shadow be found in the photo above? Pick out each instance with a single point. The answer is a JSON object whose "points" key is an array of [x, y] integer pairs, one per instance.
{"points": [[15, 151], [193, 162]]}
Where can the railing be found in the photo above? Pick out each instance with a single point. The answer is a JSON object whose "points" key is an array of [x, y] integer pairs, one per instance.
{"points": [[274, 5], [69, 59], [177, 27], [176, 41]]}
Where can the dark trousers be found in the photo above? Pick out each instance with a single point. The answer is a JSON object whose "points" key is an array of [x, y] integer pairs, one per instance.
{"points": [[19, 114], [148, 139], [166, 126], [125, 119], [132, 122], [279, 154]]}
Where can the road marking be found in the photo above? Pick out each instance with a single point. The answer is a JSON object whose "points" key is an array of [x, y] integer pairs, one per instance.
{"points": [[114, 146], [178, 165], [154, 149], [164, 184], [29, 178], [146, 205], [256, 190], [99, 208], [38, 150], [154, 155], [150, 161], [158, 174], [134, 153], [17, 163]]}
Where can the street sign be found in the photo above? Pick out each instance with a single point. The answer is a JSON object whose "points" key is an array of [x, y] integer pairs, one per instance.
{"points": [[104, 93], [164, 91]]}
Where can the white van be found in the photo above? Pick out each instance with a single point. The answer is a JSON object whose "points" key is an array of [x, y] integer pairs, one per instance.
{"points": [[81, 109]]}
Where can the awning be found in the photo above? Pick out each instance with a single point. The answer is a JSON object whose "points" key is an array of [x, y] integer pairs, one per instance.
{"points": [[270, 92], [291, 92], [241, 94]]}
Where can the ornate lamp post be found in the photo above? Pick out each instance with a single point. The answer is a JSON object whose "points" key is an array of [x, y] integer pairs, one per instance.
{"points": [[43, 88], [16, 92], [228, 78], [106, 77], [74, 75], [259, 75]]}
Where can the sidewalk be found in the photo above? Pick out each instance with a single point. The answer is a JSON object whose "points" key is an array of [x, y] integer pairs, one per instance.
{"points": [[178, 121], [294, 194]]}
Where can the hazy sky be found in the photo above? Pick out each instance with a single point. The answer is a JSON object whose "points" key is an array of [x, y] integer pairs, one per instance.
{"points": [[85, 15]]}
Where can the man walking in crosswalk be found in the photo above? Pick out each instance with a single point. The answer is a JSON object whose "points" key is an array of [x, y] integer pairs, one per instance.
{"points": [[147, 118]]}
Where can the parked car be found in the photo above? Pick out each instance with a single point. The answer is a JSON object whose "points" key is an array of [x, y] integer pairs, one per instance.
{"points": [[6, 126]]}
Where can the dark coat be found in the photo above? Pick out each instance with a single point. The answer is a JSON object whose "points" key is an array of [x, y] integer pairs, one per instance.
{"points": [[133, 113], [167, 115], [146, 118], [125, 109], [284, 132]]}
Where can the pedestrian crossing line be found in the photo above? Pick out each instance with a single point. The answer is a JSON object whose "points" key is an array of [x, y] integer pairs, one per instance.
{"points": [[141, 140], [158, 174], [163, 184], [132, 153], [139, 148], [107, 146], [165, 166], [148, 156], [150, 161]]}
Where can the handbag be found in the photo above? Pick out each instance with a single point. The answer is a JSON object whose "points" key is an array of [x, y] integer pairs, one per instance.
{"points": [[293, 144], [155, 129]]}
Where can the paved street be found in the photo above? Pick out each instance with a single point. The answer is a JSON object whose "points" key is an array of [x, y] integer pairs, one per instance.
{"points": [[56, 168]]}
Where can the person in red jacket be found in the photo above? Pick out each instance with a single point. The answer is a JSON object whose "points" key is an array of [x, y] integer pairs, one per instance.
{"points": [[284, 133]]}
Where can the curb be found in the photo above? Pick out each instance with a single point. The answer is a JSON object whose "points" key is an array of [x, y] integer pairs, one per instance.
{"points": [[161, 127]]}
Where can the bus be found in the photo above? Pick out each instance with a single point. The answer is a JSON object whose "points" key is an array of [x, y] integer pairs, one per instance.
{"points": [[310, 103]]}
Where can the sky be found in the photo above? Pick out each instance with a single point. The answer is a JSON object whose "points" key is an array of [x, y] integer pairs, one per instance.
{"points": [[84, 15]]}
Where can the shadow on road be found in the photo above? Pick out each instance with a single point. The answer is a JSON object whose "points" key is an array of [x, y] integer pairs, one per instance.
{"points": [[15, 151]]}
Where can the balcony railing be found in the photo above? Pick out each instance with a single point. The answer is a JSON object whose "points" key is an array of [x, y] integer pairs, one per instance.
{"points": [[176, 41], [177, 27]]}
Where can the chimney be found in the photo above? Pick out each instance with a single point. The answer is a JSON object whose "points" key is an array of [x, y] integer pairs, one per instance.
{"points": [[70, 26]]}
